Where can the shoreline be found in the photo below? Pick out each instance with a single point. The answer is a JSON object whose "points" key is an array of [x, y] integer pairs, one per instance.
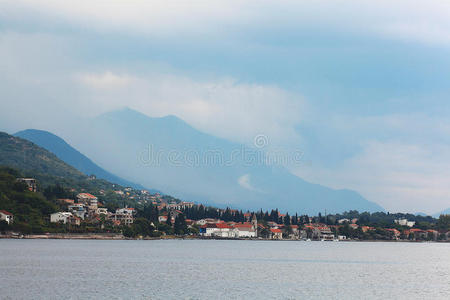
{"points": [[109, 236]]}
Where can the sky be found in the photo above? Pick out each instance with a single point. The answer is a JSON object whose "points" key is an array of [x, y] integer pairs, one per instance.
{"points": [[360, 87]]}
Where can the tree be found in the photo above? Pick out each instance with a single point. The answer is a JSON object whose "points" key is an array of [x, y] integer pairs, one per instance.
{"points": [[142, 226], [265, 233], [128, 232], [444, 222], [3, 225], [287, 220], [180, 226], [169, 219], [287, 231]]}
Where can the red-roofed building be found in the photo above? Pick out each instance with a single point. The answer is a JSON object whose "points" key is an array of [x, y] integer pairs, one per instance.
{"points": [[217, 230], [246, 229], [395, 233], [367, 228], [276, 234], [6, 216], [88, 199]]}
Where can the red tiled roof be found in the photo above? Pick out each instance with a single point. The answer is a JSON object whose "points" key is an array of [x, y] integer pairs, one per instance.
{"points": [[87, 195], [222, 225], [6, 212], [243, 226]]}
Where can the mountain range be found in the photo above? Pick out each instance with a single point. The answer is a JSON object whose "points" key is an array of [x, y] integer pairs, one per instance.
{"points": [[172, 156], [33, 161], [26, 156], [71, 156]]}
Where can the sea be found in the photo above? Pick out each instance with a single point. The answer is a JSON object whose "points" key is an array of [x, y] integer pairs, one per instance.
{"points": [[221, 269]]}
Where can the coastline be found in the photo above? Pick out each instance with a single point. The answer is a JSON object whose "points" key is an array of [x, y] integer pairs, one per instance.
{"points": [[111, 236]]}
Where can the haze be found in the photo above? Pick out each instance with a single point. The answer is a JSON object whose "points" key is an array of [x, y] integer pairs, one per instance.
{"points": [[361, 88]]}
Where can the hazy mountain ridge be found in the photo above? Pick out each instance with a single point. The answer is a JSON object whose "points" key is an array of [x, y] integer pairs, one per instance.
{"points": [[139, 147], [34, 161], [25, 155], [71, 156]]}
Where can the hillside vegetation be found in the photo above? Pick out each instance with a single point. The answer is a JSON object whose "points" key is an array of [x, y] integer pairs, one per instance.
{"points": [[34, 161]]}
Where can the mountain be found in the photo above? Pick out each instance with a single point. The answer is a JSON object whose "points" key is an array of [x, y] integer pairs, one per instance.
{"points": [[34, 161], [71, 156], [170, 154], [24, 155]]}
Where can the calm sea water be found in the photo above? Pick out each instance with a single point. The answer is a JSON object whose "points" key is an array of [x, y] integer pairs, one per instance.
{"points": [[198, 269]]}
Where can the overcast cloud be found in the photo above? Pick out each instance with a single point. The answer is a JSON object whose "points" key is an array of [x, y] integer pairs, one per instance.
{"points": [[360, 87]]}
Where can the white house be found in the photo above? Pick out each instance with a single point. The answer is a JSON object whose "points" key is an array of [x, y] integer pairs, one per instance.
{"points": [[102, 211], [206, 221], [125, 215], [78, 210], [217, 230], [6, 216], [243, 230], [405, 222], [60, 217], [342, 221]]}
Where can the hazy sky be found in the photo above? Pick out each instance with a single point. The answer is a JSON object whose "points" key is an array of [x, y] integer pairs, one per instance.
{"points": [[361, 87]]}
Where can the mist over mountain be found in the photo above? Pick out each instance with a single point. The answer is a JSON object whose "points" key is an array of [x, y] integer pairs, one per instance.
{"points": [[71, 156], [169, 154]]}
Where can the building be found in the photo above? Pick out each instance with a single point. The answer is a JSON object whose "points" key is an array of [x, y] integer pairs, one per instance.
{"points": [[88, 199], [276, 234], [394, 233], [181, 205], [30, 182], [74, 220], [353, 226], [321, 232], [66, 201], [405, 222], [245, 230], [6, 216], [417, 233], [125, 215], [206, 221], [343, 221], [101, 211], [217, 230], [367, 228], [78, 210], [60, 217]]}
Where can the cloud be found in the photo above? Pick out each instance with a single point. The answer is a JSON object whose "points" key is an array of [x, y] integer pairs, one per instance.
{"points": [[221, 106], [238, 69], [401, 162], [411, 20], [244, 181], [106, 80]]}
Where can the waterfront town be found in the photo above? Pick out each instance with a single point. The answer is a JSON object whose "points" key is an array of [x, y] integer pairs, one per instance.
{"points": [[160, 216]]}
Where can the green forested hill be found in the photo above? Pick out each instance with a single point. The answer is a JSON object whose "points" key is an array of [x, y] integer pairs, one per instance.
{"points": [[29, 209], [24, 155], [55, 179], [34, 161]]}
